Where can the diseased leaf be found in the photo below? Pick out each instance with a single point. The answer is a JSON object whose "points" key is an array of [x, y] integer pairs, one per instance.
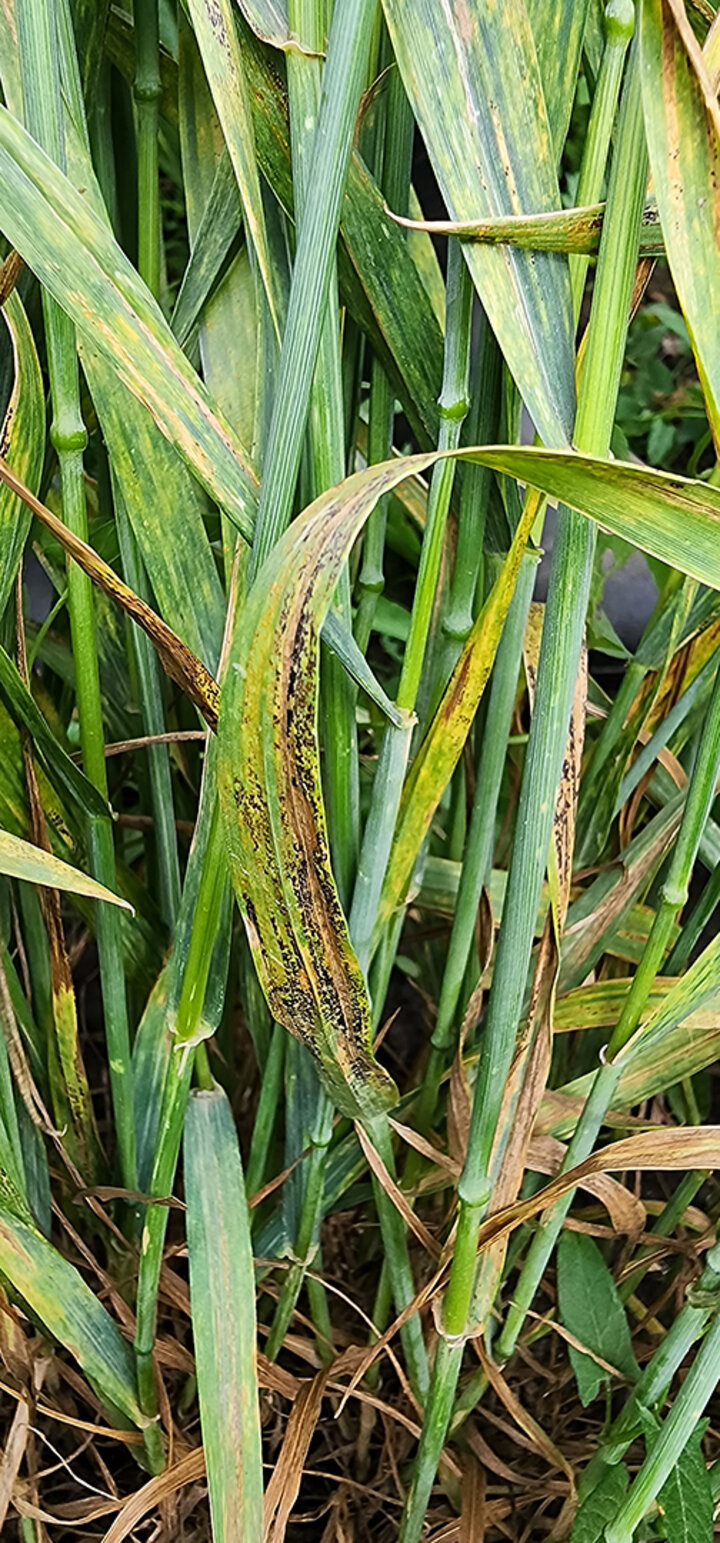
{"points": [[375, 262], [179, 663], [214, 24], [21, 860], [482, 115], [567, 230], [230, 339], [591, 1309], [559, 29], [271, 800], [269, 780], [682, 122], [674, 518], [72, 1313], [76, 257], [163, 501], [22, 438]]}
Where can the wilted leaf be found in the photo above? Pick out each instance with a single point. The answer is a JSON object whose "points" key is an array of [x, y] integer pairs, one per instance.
{"points": [[270, 795], [650, 1151]]}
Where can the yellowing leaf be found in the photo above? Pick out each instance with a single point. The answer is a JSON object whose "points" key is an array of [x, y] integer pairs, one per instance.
{"points": [[21, 860], [472, 76], [271, 800], [682, 121]]}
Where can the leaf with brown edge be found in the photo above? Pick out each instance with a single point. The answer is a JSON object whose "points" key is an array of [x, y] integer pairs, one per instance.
{"points": [[682, 123], [442, 746], [565, 230], [22, 434], [653, 1151], [271, 800], [176, 658]]}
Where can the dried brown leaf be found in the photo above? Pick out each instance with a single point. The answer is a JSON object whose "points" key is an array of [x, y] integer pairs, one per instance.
{"points": [[650, 1151], [286, 1477], [395, 1194], [176, 658], [189, 1468], [13, 1454], [472, 1513]]}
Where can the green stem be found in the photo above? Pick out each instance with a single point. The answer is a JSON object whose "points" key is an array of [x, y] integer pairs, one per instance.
{"points": [[387, 787], [147, 91], [703, 1298], [306, 1240], [465, 589], [343, 82], [699, 1386], [39, 55], [266, 1112], [161, 788], [561, 641]]}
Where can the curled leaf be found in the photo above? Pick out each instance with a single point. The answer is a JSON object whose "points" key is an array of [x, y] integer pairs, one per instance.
{"points": [[271, 799]]}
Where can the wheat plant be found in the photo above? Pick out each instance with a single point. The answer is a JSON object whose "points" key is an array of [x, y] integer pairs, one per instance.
{"points": [[359, 948]]}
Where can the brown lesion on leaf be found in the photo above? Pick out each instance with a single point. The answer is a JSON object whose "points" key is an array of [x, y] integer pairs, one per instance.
{"points": [[9, 274], [216, 20]]}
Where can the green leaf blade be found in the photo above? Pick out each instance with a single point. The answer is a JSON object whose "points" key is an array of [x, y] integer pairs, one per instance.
{"points": [[21, 860], [590, 1308], [222, 1292], [72, 1313], [482, 115]]}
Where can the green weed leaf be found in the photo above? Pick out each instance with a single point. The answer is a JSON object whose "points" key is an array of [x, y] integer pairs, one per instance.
{"points": [[591, 1310]]}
